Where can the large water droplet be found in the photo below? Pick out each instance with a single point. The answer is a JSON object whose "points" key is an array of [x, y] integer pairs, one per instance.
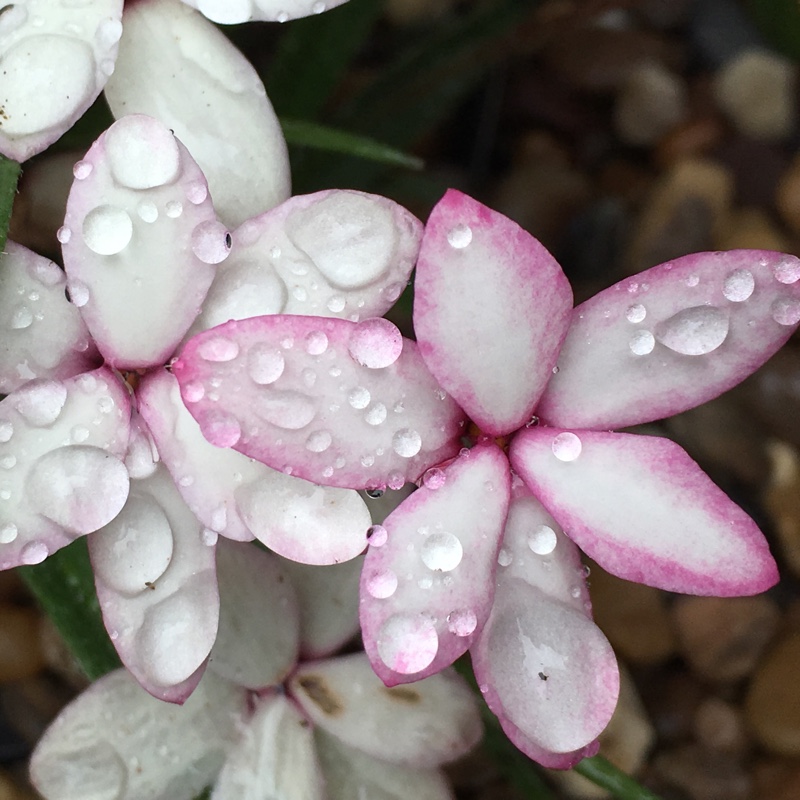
{"points": [[408, 644], [642, 343], [218, 349], [441, 551], [406, 443], [462, 623], [739, 285], [211, 242], [286, 409], [382, 583], [265, 364], [543, 540], [460, 236], [566, 446], [34, 553], [107, 230], [40, 401], [142, 153], [694, 331], [375, 343]]}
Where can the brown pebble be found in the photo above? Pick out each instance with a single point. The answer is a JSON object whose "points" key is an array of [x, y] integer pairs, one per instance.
{"points": [[773, 699], [694, 137], [20, 653], [704, 774], [723, 638], [751, 229], [719, 725], [787, 195], [776, 779], [782, 500], [11, 790]]}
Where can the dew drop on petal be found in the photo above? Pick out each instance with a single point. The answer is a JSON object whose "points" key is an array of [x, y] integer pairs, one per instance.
{"points": [[63, 234], [375, 343], [786, 311], [82, 170], [377, 535], [462, 623], [78, 293], [382, 584], [220, 429], [8, 533], [694, 331], [21, 318], [34, 553], [376, 414], [359, 398], [147, 211], [209, 537], [636, 313], [318, 442], [107, 230], [265, 364], [211, 242], [289, 410], [641, 343], [441, 551], [434, 478], [41, 401], [566, 446], [406, 443], [543, 540], [460, 236], [787, 270], [6, 431], [408, 644], [316, 343], [196, 192], [692, 281], [194, 392], [739, 285], [336, 303], [217, 349], [375, 494]]}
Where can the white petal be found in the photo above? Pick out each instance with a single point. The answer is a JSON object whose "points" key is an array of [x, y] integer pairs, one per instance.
{"points": [[175, 65], [229, 12]]}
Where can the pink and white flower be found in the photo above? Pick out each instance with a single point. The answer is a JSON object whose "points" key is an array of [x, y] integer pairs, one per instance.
{"points": [[478, 558], [265, 720]]}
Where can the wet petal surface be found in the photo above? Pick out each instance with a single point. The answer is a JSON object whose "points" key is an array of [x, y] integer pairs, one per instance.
{"points": [[231, 12]]}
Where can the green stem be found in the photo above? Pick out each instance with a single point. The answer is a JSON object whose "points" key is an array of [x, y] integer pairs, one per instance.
{"points": [[602, 772], [9, 175]]}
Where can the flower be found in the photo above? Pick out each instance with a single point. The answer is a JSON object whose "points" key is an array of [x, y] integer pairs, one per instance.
{"points": [[260, 723], [113, 448], [495, 326]]}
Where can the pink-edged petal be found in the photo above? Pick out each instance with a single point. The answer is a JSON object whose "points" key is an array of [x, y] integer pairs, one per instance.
{"points": [[61, 473], [328, 600], [434, 721], [231, 12], [142, 458], [44, 336], [157, 586], [138, 249], [426, 586], [332, 401], [176, 66], [348, 771], [259, 619], [55, 58], [672, 337], [275, 758], [241, 498], [116, 741], [547, 672], [331, 254], [491, 308], [645, 511]]}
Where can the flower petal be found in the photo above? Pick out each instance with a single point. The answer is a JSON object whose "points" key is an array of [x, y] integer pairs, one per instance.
{"points": [[275, 758], [55, 59], [231, 12], [335, 402], [175, 65], [672, 337], [491, 308], [44, 336], [547, 672], [645, 511], [348, 771], [424, 725], [259, 620], [426, 586], [139, 253], [60, 470], [328, 599], [157, 588], [330, 254], [116, 741]]}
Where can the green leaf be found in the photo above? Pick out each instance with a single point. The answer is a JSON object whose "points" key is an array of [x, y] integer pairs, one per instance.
{"points": [[64, 586], [602, 772], [9, 175], [322, 137]]}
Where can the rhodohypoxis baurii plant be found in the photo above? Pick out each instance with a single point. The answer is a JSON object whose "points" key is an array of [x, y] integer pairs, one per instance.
{"points": [[483, 556], [275, 715], [93, 433]]}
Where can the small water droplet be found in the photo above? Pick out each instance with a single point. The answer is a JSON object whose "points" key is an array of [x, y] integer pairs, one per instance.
{"points": [[34, 553], [336, 303], [376, 414], [408, 643], [375, 494], [375, 343], [82, 170], [264, 364], [8, 533], [377, 535], [194, 392], [786, 311], [318, 7], [221, 429], [441, 551], [543, 540], [211, 242], [787, 270], [218, 349], [21, 318], [78, 293], [566, 446], [642, 343], [79, 434], [694, 331], [575, 592], [406, 443], [504, 558], [434, 478], [282, 16], [63, 234], [318, 442], [692, 281], [173, 209], [460, 236], [359, 398], [381, 584], [636, 313], [107, 230], [8, 462], [462, 623], [6, 431], [738, 286], [396, 480], [316, 343], [196, 192], [209, 537], [147, 211]]}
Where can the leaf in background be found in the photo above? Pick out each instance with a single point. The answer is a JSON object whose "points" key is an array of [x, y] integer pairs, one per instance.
{"points": [[64, 587], [9, 175], [321, 137]]}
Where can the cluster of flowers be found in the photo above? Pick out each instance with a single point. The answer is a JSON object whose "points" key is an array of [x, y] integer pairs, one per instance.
{"points": [[202, 375]]}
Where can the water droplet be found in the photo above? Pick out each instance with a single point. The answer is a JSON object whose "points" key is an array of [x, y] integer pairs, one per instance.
{"points": [[63, 234], [738, 286], [642, 343], [316, 343], [6, 431], [406, 443], [8, 533], [318, 7], [41, 401], [196, 192], [173, 209], [692, 281], [275, 252], [694, 331], [336, 303], [79, 434], [575, 592], [82, 170], [382, 583], [105, 404], [460, 236], [34, 553], [286, 409], [566, 446], [787, 270], [318, 442], [786, 311], [543, 540], [282, 16], [78, 293], [218, 349], [434, 478], [375, 343], [636, 313], [441, 551], [377, 535], [209, 537], [462, 623], [264, 364], [396, 480], [194, 392], [376, 414], [504, 558], [211, 242], [8, 462], [375, 494], [367, 460], [221, 429], [107, 230], [359, 398], [408, 643], [21, 318], [147, 211], [309, 377]]}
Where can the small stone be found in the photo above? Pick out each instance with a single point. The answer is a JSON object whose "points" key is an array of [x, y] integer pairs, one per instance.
{"points": [[693, 138], [777, 779], [787, 197], [20, 652], [757, 92], [704, 774], [782, 500], [723, 638], [751, 229], [720, 726], [673, 696], [773, 699]]}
